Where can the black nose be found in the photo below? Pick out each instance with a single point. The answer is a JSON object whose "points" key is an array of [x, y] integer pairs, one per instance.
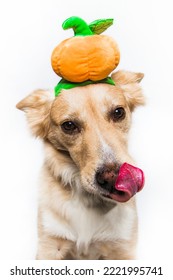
{"points": [[106, 178]]}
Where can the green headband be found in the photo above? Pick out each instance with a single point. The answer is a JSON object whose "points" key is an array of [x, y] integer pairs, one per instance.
{"points": [[63, 84]]}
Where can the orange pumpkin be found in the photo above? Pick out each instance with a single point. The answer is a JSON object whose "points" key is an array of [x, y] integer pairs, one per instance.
{"points": [[86, 56]]}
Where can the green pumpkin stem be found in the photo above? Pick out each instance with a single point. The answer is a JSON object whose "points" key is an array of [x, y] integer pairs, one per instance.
{"points": [[80, 27]]}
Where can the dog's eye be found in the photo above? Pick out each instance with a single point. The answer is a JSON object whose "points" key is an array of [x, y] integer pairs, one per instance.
{"points": [[118, 114], [70, 127]]}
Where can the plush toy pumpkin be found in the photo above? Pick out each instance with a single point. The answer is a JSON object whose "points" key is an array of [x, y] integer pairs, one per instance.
{"points": [[88, 55]]}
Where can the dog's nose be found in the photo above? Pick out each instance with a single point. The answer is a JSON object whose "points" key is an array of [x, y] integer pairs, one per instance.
{"points": [[106, 178]]}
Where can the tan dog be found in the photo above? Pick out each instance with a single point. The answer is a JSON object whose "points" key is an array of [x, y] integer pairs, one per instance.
{"points": [[84, 131]]}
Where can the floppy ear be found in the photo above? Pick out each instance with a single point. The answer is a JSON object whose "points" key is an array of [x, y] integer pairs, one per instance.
{"points": [[129, 83], [37, 108]]}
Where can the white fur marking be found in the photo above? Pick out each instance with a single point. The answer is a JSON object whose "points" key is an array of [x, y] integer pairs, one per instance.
{"points": [[107, 152], [85, 225]]}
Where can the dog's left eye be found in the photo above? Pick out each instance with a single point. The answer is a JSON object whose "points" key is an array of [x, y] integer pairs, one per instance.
{"points": [[118, 114], [69, 127]]}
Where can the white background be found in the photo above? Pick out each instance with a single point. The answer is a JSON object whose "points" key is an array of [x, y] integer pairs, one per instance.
{"points": [[29, 32]]}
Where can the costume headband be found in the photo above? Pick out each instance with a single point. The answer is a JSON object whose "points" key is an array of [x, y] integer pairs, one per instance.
{"points": [[88, 57]]}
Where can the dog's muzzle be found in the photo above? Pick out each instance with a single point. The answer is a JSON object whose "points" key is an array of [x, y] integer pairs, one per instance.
{"points": [[120, 185]]}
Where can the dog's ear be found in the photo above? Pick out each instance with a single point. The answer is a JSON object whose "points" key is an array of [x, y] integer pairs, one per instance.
{"points": [[37, 108], [125, 77], [129, 83]]}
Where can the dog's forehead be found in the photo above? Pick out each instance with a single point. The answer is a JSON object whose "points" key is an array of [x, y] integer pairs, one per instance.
{"points": [[89, 96]]}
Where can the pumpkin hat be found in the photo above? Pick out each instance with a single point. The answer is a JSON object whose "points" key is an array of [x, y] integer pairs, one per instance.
{"points": [[86, 58]]}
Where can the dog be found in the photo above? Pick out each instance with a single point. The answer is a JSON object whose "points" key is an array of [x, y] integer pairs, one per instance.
{"points": [[85, 136]]}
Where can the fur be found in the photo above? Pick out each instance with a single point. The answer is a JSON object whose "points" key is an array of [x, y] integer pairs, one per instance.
{"points": [[75, 219]]}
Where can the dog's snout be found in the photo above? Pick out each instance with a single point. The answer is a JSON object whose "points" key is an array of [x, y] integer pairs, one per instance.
{"points": [[106, 178]]}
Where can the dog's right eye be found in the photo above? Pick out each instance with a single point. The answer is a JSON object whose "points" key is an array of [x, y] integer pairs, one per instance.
{"points": [[70, 127], [118, 114]]}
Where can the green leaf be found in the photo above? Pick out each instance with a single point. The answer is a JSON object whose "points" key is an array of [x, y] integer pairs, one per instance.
{"points": [[100, 25]]}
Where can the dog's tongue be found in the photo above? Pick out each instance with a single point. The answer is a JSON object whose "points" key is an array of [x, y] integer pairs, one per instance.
{"points": [[130, 180]]}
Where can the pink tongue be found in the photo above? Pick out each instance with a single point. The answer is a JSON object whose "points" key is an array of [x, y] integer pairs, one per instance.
{"points": [[130, 180]]}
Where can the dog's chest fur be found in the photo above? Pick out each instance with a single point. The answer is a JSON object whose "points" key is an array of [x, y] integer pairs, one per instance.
{"points": [[84, 225]]}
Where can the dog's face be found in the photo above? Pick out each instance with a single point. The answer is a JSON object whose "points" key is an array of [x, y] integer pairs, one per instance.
{"points": [[89, 125]]}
